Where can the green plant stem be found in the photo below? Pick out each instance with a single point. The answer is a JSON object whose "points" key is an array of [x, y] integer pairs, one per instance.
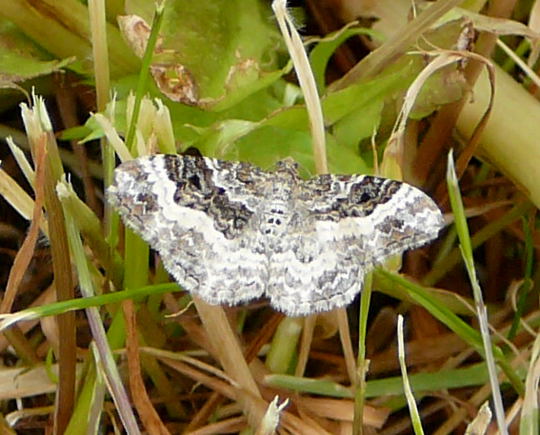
{"points": [[87, 302], [526, 286], [360, 390], [413, 409], [142, 82], [467, 253]]}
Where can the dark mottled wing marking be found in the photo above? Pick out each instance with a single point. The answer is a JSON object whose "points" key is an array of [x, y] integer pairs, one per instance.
{"points": [[353, 224], [185, 209]]}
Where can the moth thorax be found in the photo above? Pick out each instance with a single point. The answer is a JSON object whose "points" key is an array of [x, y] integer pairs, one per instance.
{"points": [[274, 218]]}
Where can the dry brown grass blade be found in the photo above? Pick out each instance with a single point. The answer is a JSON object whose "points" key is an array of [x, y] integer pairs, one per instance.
{"points": [[65, 291], [306, 80], [231, 357], [204, 413], [346, 344], [343, 409], [469, 151], [215, 400], [25, 253], [212, 382], [422, 351], [23, 382], [259, 406], [264, 336], [230, 425], [38, 124], [305, 344], [147, 413]]}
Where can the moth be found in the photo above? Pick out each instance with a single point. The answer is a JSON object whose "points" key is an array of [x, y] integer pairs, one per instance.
{"points": [[231, 232]]}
